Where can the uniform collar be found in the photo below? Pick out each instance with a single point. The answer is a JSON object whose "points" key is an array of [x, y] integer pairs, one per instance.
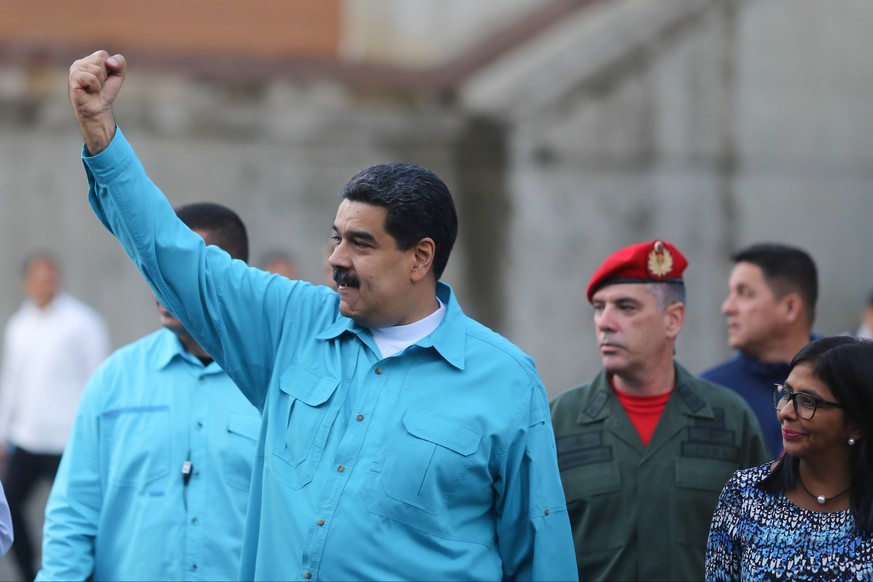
{"points": [[448, 339], [601, 401]]}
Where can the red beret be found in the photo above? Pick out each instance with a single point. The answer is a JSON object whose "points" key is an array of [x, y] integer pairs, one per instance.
{"points": [[647, 262]]}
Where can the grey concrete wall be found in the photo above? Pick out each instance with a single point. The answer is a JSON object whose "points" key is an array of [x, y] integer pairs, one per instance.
{"points": [[711, 123]]}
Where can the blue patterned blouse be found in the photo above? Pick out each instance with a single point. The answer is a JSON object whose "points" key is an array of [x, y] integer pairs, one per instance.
{"points": [[757, 535]]}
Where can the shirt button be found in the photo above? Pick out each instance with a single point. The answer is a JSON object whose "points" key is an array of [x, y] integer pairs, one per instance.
{"points": [[378, 371], [193, 520], [307, 575], [199, 424], [359, 418], [320, 522], [193, 567], [546, 512], [340, 468]]}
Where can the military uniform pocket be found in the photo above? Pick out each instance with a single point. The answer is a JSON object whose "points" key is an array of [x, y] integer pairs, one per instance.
{"points": [[698, 485]]}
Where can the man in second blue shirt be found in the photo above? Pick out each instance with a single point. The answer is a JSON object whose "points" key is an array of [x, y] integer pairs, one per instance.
{"points": [[154, 482]]}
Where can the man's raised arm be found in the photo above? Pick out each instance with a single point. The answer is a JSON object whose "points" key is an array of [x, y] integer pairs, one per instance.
{"points": [[94, 84]]}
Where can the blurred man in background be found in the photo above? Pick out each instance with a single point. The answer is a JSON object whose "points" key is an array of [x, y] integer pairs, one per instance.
{"points": [[770, 310], [280, 263], [51, 346]]}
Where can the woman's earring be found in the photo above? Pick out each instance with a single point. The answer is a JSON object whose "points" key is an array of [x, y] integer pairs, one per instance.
{"points": [[852, 442]]}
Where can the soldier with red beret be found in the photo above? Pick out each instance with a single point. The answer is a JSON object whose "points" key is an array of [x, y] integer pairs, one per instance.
{"points": [[645, 448]]}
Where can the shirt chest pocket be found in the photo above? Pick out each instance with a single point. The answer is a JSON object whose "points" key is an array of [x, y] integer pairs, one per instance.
{"points": [[239, 444], [422, 468], [300, 423], [135, 444]]}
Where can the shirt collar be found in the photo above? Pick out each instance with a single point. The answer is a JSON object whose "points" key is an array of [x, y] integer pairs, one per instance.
{"points": [[169, 347], [57, 302], [756, 367], [449, 339]]}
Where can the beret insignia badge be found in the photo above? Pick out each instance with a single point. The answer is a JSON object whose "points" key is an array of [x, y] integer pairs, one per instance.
{"points": [[660, 260]]}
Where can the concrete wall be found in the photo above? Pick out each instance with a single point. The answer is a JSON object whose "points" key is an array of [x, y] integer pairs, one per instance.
{"points": [[713, 124]]}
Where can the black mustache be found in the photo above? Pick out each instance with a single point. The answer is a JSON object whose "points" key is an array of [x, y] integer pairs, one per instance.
{"points": [[345, 277]]}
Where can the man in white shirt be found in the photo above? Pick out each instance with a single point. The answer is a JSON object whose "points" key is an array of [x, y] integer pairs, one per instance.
{"points": [[51, 345]]}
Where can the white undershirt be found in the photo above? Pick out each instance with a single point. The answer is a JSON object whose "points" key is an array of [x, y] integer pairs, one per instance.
{"points": [[395, 339]]}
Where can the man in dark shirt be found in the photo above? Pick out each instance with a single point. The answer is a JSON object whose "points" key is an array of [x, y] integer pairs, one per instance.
{"points": [[770, 310]]}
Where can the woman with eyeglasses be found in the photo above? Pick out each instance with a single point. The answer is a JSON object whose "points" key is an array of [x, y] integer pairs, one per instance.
{"points": [[808, 515]]}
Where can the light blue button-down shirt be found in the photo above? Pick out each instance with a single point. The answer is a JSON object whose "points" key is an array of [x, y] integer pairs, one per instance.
{"points": [[120, 507], [436, 463]]}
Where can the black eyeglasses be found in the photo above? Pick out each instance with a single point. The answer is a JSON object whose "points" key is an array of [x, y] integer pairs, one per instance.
{"points": [[805, 405]]}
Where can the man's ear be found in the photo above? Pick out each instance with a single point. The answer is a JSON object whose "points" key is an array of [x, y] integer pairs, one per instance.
{"points": [[792, 307], [422, 259], [674, 319]]}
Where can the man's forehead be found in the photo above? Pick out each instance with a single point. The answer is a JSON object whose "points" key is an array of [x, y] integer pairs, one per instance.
{"points": [[353, 215], [623, 292]]}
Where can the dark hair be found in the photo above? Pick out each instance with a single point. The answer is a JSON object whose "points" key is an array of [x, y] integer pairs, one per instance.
{"points": [[786, 269], [224, 226], [39, 255], [845, 365], [419, 205]]}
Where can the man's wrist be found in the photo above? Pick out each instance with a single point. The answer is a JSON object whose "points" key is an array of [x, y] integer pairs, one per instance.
{"points": [[98, 133]]}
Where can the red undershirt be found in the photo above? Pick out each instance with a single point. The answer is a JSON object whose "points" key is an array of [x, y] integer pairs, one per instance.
{"points": [[644, 411]]}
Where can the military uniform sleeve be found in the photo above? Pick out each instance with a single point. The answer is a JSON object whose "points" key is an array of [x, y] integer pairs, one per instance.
{"points": [[534, 537], [76, 500], [722, 547], [227, 307]]}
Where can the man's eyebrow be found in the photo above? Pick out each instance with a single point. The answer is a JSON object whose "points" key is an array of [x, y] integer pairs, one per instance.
{"points": [[626, 300], [356, 234]]}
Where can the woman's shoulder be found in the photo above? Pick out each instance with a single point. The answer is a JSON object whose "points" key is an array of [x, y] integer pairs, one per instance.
{"points": [[750, 476]]}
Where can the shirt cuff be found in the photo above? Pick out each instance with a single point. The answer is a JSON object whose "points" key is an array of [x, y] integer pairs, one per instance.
{"points": [[105, 165]]}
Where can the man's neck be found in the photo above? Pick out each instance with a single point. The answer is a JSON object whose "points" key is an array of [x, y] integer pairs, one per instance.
{"points": [[652, 382], [781, 350], [192, 347]]}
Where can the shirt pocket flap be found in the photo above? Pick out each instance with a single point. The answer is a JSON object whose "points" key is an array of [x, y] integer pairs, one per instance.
{"points": [[244, 425], [442, 431], [306, 386]]}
